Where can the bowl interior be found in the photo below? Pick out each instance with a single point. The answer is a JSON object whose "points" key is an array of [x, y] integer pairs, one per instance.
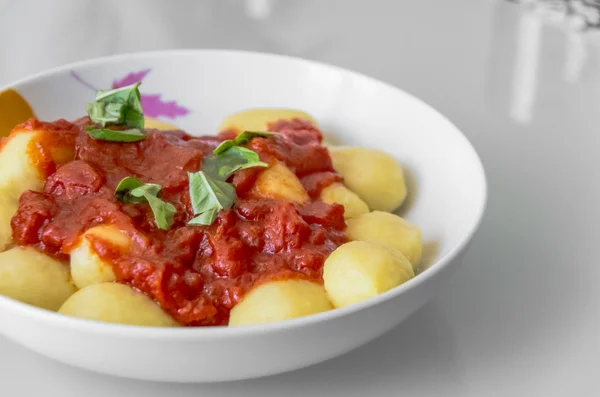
{"points": [[196, 89]]}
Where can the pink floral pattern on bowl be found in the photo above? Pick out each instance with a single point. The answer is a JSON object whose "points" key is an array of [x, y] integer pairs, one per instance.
{"points": [[152, 104]]}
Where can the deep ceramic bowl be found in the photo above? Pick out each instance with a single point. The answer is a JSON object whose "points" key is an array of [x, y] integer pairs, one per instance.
{"points": [[196, 90]]}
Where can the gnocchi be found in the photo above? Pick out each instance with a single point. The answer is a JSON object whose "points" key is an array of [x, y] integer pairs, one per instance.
{"points": [[340, 194], [8, 206], [34, 278], [258, 119], [14, 109], [116, 303], [26, 158], [280, 300], [278, 182], [359, 270], [375, 176], [19, 170], [87, 267], [389, 230]]}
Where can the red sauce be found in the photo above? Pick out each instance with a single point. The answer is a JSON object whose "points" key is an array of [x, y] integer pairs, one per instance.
{"points": [[197, 273]]}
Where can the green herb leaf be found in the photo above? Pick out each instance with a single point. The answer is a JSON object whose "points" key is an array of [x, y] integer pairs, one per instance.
{"points": [[122, 94], [124, 187], [121, 106], [105, 113], [205, 219], [231, 160], [163, 212], [105, 134], [241, 139], [146, 189], [240, 152], [132, 191], [209, 191], [209, 196], [118, 107]]}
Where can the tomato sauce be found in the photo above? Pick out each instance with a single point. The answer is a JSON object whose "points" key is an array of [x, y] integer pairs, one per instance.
{"points": [[196, 273]]}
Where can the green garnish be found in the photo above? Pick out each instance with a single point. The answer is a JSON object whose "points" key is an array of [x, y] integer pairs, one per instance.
{"points": [[208, 197], [209, 190], [231, 160], [120, 107], [132, 191], [105, 134], [242, 139]]}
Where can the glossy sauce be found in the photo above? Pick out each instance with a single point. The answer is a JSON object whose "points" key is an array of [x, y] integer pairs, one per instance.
{"points": [[196, 273]]}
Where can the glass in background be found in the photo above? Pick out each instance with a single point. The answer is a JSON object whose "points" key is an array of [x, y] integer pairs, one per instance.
{"points": [[544, 56]]}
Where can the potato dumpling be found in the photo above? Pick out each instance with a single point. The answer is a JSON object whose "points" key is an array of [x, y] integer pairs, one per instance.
{"points": [[389, 230], [278, 182], [86, 266], [359, 270], [375, 176], [340, 194], [150, 122], [257, 119], [19, 172], [8, 207], [116, 303], [280, 300], [14, 109], [31, 277]]}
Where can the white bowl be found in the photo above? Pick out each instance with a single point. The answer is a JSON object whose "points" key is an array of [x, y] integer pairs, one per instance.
{"points": [[448, 204]]}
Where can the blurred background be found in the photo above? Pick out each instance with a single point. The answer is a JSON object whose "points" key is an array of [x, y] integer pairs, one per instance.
{"points": [[504, 46], [520, 78]]}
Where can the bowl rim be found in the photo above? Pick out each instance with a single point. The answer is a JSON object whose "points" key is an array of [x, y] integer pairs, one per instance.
{"points": [[122, 330]]}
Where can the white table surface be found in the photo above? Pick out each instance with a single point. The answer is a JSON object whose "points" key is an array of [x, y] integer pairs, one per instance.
{"points": [[522, 316]]}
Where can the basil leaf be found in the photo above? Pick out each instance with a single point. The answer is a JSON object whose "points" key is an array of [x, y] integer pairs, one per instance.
{"points": [[233, 159], [126, 185], [105, 113], [242, 139], [146, 189], [132, 191], [204, 219], [122, 94], [163, 212], [226, 170], [224, 146], [105, 134], [133, 118], [207, 194], [118, 107], [209, 191], [208, 197], [240, 152]]}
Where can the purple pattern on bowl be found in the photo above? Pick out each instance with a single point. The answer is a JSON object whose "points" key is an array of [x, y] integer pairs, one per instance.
{"points": [[152, 104], [131, 78], [154, 107]]}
